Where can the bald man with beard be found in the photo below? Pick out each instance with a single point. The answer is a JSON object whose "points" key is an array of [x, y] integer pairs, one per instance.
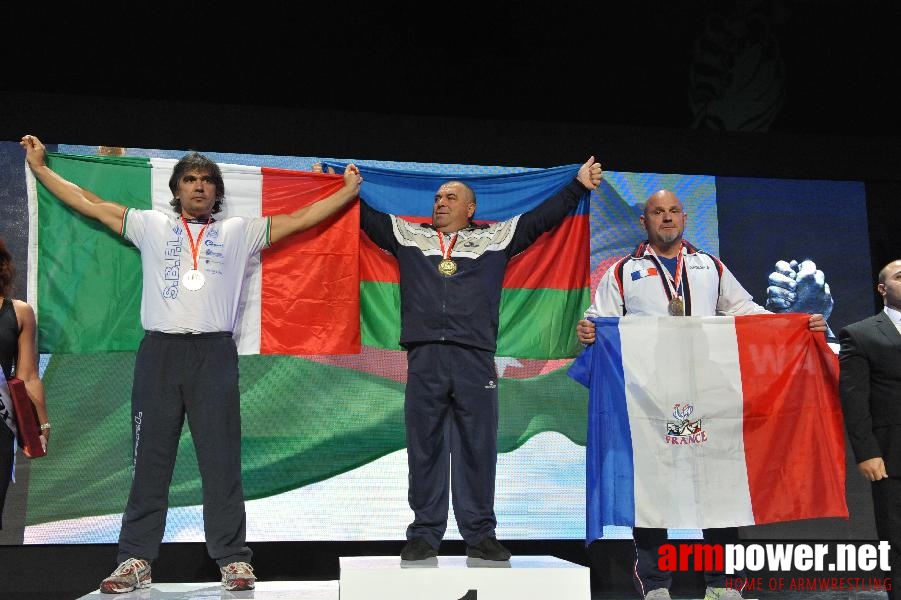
{"points": [[666, 275]]}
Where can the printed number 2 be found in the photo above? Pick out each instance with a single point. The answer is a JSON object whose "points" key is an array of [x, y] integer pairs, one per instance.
{"points": [[470, 595]]}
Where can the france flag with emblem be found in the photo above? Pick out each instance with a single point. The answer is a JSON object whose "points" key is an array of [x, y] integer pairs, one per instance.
{"points": [[701, 422]]}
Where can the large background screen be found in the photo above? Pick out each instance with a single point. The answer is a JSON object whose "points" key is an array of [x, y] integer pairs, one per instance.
{"points": [[350, 482]]}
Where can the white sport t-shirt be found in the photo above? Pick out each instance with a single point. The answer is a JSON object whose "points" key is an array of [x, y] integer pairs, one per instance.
{"points": [[222, 256]]}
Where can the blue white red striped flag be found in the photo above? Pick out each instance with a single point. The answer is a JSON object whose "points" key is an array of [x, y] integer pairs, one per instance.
{"points": [[699, 422]]}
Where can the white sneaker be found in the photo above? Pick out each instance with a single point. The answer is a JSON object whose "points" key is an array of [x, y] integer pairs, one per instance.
{"points": [[722, 594], [237, 576], [131, 574]]}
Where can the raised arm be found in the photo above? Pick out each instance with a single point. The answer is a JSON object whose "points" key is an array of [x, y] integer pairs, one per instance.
{"points": [[313, 214], [79, 199], [590, 174], [552, 211]]}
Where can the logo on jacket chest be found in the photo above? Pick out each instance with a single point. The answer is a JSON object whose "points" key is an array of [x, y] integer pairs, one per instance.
{"points": [[649, 272]]}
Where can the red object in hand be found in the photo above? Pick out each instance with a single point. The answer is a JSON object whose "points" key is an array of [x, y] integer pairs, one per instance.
{"points": [[26, 419]]}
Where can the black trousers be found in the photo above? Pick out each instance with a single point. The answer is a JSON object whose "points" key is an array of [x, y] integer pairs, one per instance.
{"points": [[887, 510], [451, 413], [178, 375], [7, 457], [648, 576]]}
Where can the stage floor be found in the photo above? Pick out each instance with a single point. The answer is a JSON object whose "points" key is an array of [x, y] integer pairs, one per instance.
{"points": [[212, 590], [328, 590]]}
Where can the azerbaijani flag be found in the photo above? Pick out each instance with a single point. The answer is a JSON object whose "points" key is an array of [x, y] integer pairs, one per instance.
{"points": [[700, 422], [299, 297], [545, 289]]}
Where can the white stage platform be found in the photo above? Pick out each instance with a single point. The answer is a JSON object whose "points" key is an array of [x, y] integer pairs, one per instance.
{"points": [[389, 578], [459, 578]]}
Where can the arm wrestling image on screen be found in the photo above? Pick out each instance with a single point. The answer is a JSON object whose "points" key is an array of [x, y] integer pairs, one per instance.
{"points": [[799, 287]]}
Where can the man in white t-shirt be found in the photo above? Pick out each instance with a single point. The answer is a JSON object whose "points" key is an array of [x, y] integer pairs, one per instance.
{"points": [[187, 363]]}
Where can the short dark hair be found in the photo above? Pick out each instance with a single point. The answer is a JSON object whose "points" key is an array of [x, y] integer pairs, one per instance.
{"points": [[7, 271], [194, 161]]}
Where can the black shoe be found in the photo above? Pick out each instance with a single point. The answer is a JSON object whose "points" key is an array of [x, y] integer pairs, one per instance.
{"points": [[488, 549], [417, 549]]}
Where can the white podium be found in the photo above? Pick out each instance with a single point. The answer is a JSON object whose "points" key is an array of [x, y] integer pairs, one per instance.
{"points": [[459, 578]]}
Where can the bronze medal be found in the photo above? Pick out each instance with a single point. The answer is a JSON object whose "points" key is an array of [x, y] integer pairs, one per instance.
{"points": [[447, 267], [677, 307]]}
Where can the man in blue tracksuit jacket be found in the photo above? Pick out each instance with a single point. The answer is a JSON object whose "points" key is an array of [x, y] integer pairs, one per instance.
{"points": [[451, 274]]}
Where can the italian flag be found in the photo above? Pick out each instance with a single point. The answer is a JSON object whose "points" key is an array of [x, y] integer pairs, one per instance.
{"points": [[300, 296]]}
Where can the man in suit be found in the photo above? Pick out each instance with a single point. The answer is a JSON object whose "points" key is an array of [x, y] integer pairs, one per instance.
{"points": [[870, 388]]}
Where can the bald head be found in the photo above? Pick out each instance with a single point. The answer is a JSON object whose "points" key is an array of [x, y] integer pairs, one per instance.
{"points": [[662, 197], [886, 271], [889, 286], [455, 203], [664, 221]]}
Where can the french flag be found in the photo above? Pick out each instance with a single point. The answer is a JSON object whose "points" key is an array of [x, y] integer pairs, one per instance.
{"points": [[636, 275], [701, 422]]}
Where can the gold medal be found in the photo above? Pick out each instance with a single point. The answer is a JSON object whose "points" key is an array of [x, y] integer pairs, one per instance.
{"points": [[447, 267], [677, 307]]}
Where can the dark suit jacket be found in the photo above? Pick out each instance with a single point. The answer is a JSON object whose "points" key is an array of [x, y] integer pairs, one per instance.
{"points": [[870, 389]]}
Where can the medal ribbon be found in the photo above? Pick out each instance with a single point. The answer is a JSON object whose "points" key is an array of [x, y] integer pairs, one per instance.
{"points": [[195, 246], [673, 284], [445, 254]]}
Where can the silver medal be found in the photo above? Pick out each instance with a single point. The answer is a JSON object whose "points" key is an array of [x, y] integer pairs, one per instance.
{"points": [[193, 280]]}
